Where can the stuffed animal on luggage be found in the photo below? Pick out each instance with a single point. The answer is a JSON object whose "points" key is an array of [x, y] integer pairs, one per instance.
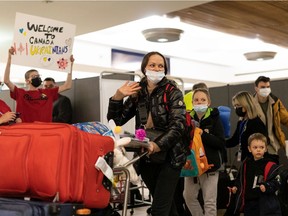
{"points": [[120, 158]]}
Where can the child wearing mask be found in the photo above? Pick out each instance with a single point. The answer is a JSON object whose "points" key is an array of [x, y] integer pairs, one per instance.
{"points": [[214, 143], [34, 104]]}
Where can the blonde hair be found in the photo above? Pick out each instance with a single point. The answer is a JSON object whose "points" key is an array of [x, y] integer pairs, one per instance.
{"points": [[199, 85], [205, 91], [245, 100], [27, 74]]}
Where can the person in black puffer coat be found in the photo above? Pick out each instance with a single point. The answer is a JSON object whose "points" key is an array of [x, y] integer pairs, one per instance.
{"points": [[169, 118]]}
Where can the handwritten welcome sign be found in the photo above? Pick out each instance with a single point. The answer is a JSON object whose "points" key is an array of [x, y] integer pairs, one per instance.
{"points": [[43, 43]]}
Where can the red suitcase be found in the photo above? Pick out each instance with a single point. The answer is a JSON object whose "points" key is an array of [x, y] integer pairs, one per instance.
{"points": [[45, 160]]}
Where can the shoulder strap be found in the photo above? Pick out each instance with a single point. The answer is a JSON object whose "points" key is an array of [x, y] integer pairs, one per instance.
{"points": [[267, 169], [167, 90]]}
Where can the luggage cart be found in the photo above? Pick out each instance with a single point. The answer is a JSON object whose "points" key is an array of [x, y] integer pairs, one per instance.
{"points": [[121, 188]]}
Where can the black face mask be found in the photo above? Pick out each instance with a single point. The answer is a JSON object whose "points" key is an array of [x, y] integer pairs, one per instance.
{"points": [[36, 82], [239, 112]]}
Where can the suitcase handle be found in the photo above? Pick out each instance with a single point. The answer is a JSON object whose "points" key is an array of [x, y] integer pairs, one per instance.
{"points": [[135, 159]]}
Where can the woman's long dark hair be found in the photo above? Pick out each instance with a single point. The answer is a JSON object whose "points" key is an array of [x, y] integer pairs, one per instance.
{"points": [[146, 59]]}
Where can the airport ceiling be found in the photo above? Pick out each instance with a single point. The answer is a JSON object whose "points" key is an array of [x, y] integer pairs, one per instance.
{"points": [[266, 20]]}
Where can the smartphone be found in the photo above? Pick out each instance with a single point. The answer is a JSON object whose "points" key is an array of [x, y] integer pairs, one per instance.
{"points": [[17, 115]]}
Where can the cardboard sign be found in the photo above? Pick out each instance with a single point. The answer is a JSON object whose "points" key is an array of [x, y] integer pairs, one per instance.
{"points": [[43, 43]]}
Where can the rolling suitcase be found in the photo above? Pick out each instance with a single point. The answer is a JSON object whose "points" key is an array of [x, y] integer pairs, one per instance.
{"points": [[20, 207], [54, 160]]}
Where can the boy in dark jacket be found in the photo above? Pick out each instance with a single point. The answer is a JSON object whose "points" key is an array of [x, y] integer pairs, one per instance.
{"points": [[257, 182]]}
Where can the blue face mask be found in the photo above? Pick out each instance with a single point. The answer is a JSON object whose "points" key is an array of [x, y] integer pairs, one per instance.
{"points": [[200, 108]]}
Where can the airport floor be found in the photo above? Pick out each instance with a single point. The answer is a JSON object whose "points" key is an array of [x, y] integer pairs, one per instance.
{"points": [[140, 208], [141, 211]]}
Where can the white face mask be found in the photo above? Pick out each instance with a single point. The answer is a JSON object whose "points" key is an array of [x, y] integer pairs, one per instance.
{"points": [[264, 92], [200, 108], [154, 76]]}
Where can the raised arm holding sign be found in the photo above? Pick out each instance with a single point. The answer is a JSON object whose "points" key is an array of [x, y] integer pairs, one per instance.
{"points": [[34, 104], [40, 43]]}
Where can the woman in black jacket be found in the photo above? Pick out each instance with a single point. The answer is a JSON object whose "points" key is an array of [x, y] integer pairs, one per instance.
{"points": [[214, 143], [166, 116], [249, 123]]}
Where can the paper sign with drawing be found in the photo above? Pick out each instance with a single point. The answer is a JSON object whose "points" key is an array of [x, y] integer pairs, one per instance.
{"points": [[42, 43]]}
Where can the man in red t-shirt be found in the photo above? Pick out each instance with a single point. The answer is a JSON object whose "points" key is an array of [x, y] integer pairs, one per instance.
{"points": [[6, 115], [34, 104]]}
